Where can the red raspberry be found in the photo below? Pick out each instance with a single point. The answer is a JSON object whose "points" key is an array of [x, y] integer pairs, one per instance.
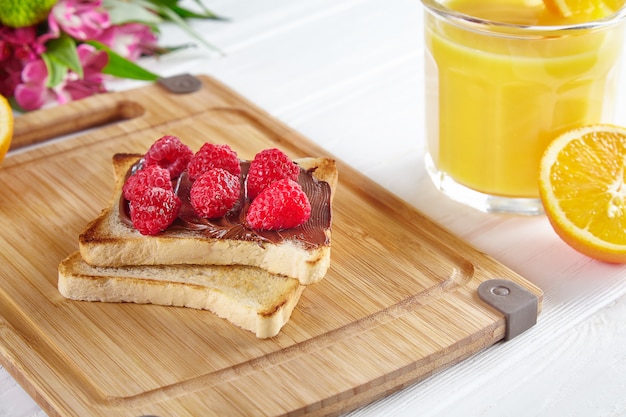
{"points": [[148, 177], [268, 166], [214, 193], [154, 211], [213, 156], [282, 205], [170, 153]]}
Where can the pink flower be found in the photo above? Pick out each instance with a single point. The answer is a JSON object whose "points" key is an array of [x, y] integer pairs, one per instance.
{"points": [[22, 43], [35, 61], [10, 75], [33, 93], [130, 40], [92, 82], [81, 19], [17, 48]]}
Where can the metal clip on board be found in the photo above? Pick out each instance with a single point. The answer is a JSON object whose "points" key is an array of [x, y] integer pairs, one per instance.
{"points": [[518, 305], [180, 84]]}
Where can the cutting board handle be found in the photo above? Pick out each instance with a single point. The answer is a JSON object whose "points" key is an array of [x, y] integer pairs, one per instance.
{"points": [[41, 125]]}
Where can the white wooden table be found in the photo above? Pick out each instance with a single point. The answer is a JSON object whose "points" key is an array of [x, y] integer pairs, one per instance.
{"points": [[348, 75]]}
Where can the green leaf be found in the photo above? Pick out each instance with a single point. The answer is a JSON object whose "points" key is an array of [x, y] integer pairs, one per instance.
{"points": [[187, 14], [62, 52], [124, 12], [56, 71], [120, 67], [207, 12], [183, 12], [163, 50], [171, 15], [169, 10]]}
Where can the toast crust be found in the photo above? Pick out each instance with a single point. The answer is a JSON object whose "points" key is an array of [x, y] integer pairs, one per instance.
{"points": [[109, 242]]}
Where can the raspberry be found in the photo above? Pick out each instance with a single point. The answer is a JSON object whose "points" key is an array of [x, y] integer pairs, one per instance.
{"points": [[282, 205], [268, 166], [148, 177], [154, 211], [170, 153], [214, 193], [213, 156]]}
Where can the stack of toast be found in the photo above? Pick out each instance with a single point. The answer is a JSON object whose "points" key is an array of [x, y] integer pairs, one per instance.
{"points": [[253, 279]]}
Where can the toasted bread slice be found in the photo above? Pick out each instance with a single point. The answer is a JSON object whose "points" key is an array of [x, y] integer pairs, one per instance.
{"points": [[108, 241], [248, 297]]}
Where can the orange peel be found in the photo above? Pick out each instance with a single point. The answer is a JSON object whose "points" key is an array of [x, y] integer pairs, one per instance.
{"points": [[582, 184], [6, 126]]}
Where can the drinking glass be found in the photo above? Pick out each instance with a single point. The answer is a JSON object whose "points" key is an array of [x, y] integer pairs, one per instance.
{"points": [[498, 92]]}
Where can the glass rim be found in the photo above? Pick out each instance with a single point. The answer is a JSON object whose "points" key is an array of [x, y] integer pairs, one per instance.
{"points": [[477, 23]]}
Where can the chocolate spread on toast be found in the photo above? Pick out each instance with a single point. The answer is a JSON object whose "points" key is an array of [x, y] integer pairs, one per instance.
{"points": [[311, 234]]}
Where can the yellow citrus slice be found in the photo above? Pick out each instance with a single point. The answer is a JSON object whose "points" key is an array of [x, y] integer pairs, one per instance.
{"points": [[595, 9], [582, 184], [6, 126]]}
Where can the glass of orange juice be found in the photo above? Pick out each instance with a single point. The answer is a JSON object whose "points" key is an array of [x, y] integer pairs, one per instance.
{"points": [[504, 78]]}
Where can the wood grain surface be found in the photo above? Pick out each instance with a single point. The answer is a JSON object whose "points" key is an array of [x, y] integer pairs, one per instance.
{"points": [[398, 304]]}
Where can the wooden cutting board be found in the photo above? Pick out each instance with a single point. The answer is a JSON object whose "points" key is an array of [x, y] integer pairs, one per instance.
{"points": [[399, 303]]}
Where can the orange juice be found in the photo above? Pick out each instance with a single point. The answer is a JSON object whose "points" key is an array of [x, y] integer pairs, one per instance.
{"points": [[496, 96]]}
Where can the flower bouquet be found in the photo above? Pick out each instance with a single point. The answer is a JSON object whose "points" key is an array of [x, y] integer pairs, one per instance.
{"points": [[55, 51]]}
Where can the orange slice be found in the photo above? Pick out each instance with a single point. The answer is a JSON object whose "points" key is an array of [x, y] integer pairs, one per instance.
{"points": [[595, 9], [6, 126], [582, 184]]}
